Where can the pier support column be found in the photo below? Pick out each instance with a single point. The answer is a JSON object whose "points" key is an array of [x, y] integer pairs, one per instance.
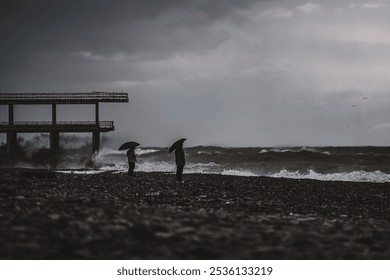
{"points": [[11, 136], [11, 113], [97, 112], [54, 113], [54, 139], [54, 147], [11, 147], [96, 134], [95, 142]]}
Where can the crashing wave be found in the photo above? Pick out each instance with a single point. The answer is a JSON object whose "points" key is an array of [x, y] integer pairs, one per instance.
{"points": [[145, 151], [354, 176], [293, 150]]}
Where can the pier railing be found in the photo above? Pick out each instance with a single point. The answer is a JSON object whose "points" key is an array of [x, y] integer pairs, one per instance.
{"points": [[61, 126], [68, 98]]}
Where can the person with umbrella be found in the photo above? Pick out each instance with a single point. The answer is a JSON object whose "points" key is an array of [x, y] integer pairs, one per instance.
{"points": [[179, 158], [131, 156]]}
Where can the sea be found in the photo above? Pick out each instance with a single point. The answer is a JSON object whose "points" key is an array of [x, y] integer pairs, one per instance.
{"points": [[357, 164]]}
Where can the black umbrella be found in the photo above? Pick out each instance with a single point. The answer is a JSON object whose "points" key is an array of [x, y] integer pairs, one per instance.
{"points": [[177, 144], [128, 145]]}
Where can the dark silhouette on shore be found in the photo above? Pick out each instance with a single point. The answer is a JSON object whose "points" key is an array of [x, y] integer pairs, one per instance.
{"points": [[131, 156], [179, 158], [132, 159]]}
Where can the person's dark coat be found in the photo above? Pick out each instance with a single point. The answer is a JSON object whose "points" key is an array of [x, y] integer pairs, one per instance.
{"points": [[180, 157], [131, 158]]}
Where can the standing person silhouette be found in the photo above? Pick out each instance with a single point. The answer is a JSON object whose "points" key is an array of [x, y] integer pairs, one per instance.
{"points": [[132, 159], [131, 156], [179, 159]]}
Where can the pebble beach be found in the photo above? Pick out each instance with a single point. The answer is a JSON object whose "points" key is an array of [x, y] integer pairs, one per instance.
{"points": [[53, 215]]}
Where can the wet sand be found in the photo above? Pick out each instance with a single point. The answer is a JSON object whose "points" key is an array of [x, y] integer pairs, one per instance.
{"points": [[46, 215]]}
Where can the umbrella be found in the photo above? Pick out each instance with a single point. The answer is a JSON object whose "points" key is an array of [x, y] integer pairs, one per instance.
{"points": [[177, 144], [128, 145]]}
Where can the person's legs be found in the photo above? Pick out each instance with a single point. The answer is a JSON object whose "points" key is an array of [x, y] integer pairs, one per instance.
{"points": [[179, 173], [131, 168]]}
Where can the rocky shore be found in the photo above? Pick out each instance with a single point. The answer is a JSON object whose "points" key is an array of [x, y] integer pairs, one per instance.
{"points": [[47, 215]]}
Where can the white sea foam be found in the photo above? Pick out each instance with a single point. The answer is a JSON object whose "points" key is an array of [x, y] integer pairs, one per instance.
{"points": [[234, 172], [155, 166], [163, 166], [109, 151], [145, 151], [204, 153], [292, 150], [281, 150], [205, 168], [355, 176], [80, 171]]}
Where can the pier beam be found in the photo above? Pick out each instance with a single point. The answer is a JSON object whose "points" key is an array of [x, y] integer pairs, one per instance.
{"points": [[54, 147]]}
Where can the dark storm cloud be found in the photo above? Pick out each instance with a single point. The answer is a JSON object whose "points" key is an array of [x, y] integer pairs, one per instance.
{"points": [[103, 27], [9, 8]]}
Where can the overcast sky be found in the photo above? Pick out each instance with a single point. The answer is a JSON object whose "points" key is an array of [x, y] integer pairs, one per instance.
{"points": [[218, 72]]}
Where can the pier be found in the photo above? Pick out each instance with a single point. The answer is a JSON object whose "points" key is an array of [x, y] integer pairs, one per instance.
{"points": [[54, 127]]}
